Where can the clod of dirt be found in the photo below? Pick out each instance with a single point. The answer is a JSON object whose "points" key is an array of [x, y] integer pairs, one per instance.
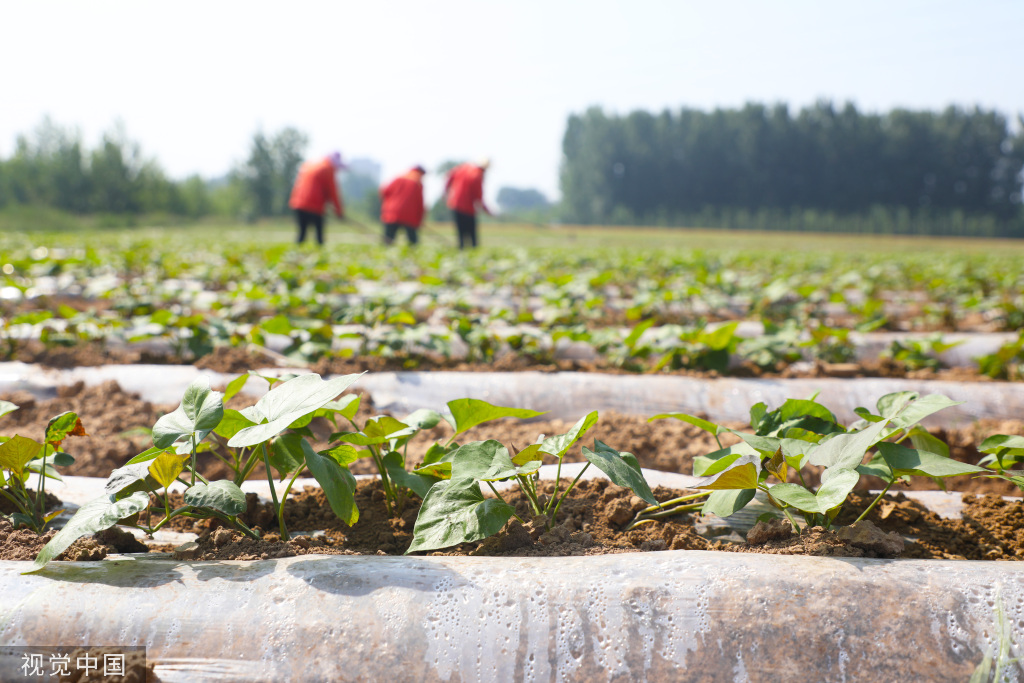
{"points": [[25, 544], [771, 530], [117, 540], [868, 537]]}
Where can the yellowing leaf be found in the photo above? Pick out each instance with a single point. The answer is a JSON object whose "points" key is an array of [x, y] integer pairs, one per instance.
{"points": [[15, 453], [166, 468]]}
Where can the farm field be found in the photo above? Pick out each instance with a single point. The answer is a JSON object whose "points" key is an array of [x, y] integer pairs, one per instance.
{"points": [[258, 464], [575, 298]]}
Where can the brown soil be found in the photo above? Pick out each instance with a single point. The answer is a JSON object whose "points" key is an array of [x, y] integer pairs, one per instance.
{"points": [[118, 422], [991, 528], [241, 359], [591, 522], [23, 544]]}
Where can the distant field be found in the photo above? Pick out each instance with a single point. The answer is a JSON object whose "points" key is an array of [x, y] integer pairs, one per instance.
{"points": [[504, 235]]}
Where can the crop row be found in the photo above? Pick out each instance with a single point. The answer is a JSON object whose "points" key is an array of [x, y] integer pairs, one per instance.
{"points": [[887, 442]]}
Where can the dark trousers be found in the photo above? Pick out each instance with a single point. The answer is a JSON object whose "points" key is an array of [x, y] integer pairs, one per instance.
{"points": [[306, 219], [465, 226], [391, 230]]}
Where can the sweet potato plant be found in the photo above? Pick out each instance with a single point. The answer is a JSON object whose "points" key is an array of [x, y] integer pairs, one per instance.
{"points": [[803, 433]]}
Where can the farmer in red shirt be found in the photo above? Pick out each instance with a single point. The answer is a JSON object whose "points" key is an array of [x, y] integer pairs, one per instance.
{"points": [[465, 190], [401, 206], [314, 187]]}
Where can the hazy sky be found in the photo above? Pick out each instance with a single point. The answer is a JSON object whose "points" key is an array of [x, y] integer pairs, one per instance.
{"points": [[421, 82]]}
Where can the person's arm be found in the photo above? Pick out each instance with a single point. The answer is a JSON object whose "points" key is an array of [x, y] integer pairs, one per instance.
{"points": [[478, 200], [333, 194]]}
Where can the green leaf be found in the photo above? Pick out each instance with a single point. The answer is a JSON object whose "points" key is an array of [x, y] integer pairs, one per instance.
{"points": [[17, 452], [691, 419], [96, 515], [836, 488], [200, 411], [337, 482], [347, 406], [469, 412], [455, 511], [922, 408], [622, 468], [61, 427], [483, 460], [725, 502], [876, 467], [423, 419], [286, 403], [166, 468], [914, 461], [765, 445], [1003, 444], [376, 431], [927, 442], [717, 461], [125, 476], [417, 483], [344, 454], [231, 423], [742, 474], [7, 407], [235, 386], [795, 496], [891, 404], [62, 459], [558, 445], [287, 455], [222, 495], [147, 455], [846, 451], [531, 453]]}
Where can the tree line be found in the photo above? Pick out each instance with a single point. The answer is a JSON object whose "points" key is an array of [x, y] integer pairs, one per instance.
{"points": [[957, 171]]}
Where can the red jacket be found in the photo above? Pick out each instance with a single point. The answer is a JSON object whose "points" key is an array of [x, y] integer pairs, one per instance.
{"points": [[402, 201], [314, 187], [465, 188]]}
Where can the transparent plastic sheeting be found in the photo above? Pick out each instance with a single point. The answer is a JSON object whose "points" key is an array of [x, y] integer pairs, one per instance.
{"points": [[671, 615], [566, 395]]}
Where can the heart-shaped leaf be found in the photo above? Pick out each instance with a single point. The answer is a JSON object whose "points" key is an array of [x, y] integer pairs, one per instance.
{"points": [[742, 474], [469, 412], [914, 461], [455, 511], [558, 445], [286, 403], [222, 495], [165, 468], [417, 483], [846, 451], [725, 502], [200, 411], [17, 452]]}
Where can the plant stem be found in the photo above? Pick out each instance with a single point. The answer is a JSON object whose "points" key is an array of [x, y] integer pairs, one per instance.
{"points": [[504, 501], [287, 490], [40, 503], [194, 446], [531, 494], [671, 512], [250, 464], [273, 493], [674, 501], [389, 494], [564, 495], [875, 501], [558, 480]]}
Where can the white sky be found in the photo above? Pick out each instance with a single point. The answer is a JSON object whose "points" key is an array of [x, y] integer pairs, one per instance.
{"points": [[421, 82]]}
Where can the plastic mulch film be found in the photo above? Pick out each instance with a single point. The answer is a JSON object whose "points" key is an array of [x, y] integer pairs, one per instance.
{"points": [[566, 395]]}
